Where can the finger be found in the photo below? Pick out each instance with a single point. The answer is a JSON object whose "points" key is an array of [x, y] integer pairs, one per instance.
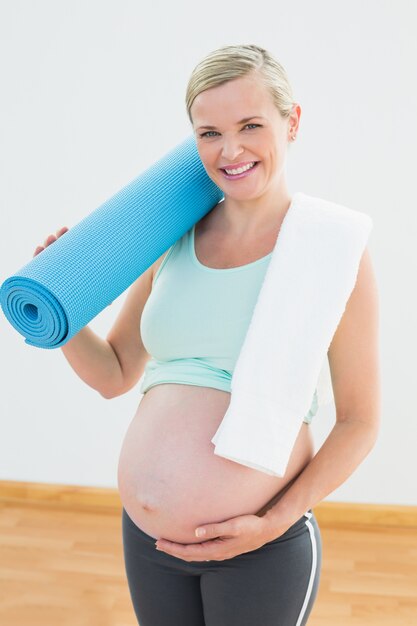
{"points": [[210, 531], [193, 557], [198, 550], [61, 231], [50, 239], [214, 550]]}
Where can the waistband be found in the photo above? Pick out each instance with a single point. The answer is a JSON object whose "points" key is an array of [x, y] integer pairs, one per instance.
{"points": [[308, 515]]}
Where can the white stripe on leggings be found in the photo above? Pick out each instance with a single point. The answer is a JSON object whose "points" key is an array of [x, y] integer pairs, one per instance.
{"points": [[313, 566]]}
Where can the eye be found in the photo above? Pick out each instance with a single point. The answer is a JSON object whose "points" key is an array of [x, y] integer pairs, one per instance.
{"points": [[206, 134]]}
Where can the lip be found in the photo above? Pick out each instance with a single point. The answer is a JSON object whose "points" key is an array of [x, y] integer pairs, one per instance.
{"points": [[235, 166], [244, 174]]}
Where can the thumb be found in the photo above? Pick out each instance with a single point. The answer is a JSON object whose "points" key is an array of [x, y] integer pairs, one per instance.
{"points": [[214, 530]]}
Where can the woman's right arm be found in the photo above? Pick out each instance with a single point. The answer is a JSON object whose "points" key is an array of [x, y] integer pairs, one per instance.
{"points": [[94, 360], [113, 366]]}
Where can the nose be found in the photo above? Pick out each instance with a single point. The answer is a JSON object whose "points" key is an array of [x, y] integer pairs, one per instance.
{"points": [[231, 149]]}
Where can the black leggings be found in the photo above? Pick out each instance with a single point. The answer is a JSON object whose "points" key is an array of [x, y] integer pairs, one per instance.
{"points": [[274, 585]]}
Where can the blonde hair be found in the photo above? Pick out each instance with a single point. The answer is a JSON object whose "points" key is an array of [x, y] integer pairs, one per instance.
{"points": [[230, 62]]}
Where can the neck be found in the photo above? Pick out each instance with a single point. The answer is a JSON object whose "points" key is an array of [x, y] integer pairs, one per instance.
{"points": [[246, 218]]}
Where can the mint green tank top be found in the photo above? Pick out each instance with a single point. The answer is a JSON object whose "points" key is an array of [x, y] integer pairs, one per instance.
{"points": [[196, 318]]}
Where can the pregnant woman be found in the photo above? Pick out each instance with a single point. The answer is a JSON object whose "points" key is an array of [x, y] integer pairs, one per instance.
{"points": [[180, 329]]}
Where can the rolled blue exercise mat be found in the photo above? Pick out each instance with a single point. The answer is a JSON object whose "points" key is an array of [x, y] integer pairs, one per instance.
{"points": [[56, 294]]}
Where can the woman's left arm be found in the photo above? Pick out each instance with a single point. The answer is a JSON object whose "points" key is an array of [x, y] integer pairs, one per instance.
{"points": [[355, 374]]}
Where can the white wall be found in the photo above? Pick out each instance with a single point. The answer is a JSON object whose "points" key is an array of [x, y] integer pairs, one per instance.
{"points": [[93, 93]]}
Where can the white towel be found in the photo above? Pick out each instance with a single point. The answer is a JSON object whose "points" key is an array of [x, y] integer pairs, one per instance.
{"points": [[309, 279]]}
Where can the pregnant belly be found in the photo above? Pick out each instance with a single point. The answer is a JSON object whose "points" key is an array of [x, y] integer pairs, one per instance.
{"points": [[169, 479]]}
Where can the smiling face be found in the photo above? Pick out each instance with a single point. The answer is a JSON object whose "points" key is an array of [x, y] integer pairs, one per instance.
{"points": [[226, 138]]}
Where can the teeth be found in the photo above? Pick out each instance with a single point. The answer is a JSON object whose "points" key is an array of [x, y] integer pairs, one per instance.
{"points": [[241, 169]]}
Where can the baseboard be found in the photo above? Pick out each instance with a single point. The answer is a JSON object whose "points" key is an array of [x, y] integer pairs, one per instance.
{"points": [[101, 499], [107, 500]]}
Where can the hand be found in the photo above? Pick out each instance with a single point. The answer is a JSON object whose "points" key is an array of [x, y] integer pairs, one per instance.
{"points": [[50, 239], [223, 540]]}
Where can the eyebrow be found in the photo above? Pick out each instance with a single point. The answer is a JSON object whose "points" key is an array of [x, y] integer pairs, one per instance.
{"points": [[245, 119]]}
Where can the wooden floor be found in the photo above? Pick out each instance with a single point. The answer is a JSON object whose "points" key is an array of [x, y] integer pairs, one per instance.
{"points": [[64, 567]]}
